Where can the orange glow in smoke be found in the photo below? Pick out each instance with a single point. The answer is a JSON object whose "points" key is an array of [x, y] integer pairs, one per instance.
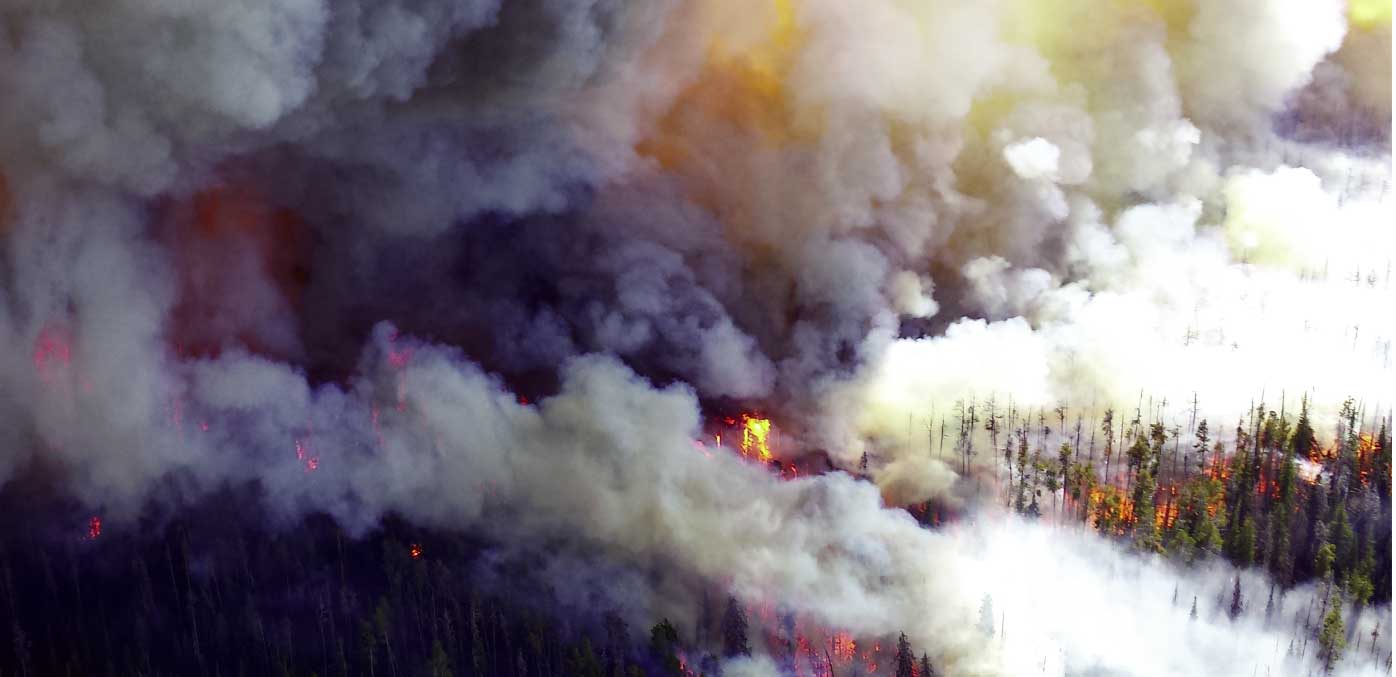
{"points": [[415, 551], [740, 86], [231, 244], [94, 528]]}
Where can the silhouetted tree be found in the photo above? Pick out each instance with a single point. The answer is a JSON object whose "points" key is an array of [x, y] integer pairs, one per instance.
{"points": [[927, 670], [734, 640], [664, 640], [906, 660], [440, 664]]}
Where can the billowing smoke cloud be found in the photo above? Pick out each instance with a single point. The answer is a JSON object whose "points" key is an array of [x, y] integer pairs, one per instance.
{"points": [[330, 250]]}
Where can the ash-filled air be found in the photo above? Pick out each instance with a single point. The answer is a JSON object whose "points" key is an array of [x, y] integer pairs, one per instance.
{"points": [[494, 266]]}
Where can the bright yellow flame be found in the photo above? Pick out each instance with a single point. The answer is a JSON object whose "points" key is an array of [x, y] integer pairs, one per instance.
{"points": [[1369, 13], [756, 433]]}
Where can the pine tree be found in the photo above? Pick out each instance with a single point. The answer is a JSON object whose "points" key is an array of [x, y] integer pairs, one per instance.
{"points": [[1243, 548], [477, 642], [1347, 467], [1323, 561], [1146, 535], [1107, 426], [1381, 464], [1195, 529], [1303, 443], [906, 660], [1158, 435], [1200, 447], [1193, 614], [1020, 502], [1281, 518], [1341, 536], [927, 670], [734, 626], [1064, 454], [1236, 602], [1332, 639], [440, 663], [583, 661], [617, 637], [1138, 455], [664, 639], [1315, 533], [368, 645]]}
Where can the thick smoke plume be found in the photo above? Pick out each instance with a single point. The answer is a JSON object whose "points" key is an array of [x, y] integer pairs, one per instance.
{"points": [[488, 265]]}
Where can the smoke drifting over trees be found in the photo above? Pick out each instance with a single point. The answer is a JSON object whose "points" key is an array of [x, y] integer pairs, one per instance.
{"points": [[497, 267]]}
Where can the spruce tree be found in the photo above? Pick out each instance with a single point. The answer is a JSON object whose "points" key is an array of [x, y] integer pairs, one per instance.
{"points": [[1236, 603], [1281, 517], [1332, 639], [1020, 502], [927, 670], [734, 626], [664, 640], [1341, 536], [1302, 443], [1381, 465], [906, 660], [1107, 426], [583, 661], [1200, 447], [1146, 535], [1323, 561], [439, 664], [1243, 548]]}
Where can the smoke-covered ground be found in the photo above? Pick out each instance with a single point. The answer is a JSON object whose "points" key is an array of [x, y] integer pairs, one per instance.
{"points": [[491, 266]]}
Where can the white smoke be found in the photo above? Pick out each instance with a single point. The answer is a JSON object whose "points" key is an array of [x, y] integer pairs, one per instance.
{"points": [[208, 209]]}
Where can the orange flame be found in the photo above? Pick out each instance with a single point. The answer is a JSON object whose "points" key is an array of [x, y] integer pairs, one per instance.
{"points": [[94, 528], [844, 648], [415, 551], [756, 434], [1366, 454]]}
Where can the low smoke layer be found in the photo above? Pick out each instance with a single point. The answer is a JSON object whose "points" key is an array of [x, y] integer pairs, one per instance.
{"points": [[488, 264]]}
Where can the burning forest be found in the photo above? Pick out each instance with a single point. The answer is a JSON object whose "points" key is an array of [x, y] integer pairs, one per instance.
{"points": [[695, 337]]}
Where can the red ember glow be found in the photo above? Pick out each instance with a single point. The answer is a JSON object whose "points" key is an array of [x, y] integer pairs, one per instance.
{"points": [[52, 349]]}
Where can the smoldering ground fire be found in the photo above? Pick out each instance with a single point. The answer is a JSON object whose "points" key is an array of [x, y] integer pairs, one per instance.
{"points": [[506, 268]]}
